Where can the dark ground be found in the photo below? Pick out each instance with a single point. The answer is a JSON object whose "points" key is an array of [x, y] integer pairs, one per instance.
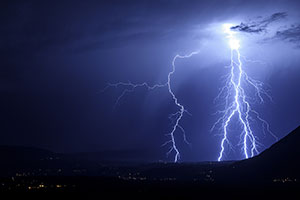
{"points": [[272, 174]]}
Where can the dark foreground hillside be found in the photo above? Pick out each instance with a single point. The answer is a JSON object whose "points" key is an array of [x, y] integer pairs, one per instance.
{"points": [[272, 174]]}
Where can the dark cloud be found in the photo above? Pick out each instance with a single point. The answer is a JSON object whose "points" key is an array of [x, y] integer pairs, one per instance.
{"points": [[259, 26], [34, 26], [291, 34]]}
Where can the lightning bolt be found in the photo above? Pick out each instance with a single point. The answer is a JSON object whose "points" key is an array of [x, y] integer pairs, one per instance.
{"points": [[236, 100], [237, 103], [174, 117]]}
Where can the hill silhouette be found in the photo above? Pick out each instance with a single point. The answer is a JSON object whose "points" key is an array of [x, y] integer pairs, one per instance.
{"points": [[275, 169], [278, 162]]}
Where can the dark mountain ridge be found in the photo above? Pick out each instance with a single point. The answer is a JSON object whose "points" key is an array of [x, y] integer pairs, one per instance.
{"points": [[281, 160]]}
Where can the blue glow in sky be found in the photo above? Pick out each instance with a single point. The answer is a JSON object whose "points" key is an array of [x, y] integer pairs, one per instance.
{"points": [[57, 57]]}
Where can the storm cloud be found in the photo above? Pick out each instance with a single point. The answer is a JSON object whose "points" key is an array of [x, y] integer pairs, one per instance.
{"points": [[292, 34], [260, 25]]}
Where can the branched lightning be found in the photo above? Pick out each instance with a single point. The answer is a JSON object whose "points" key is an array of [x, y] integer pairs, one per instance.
{"points": [[237, 103], [130, 87], [174, 117]]}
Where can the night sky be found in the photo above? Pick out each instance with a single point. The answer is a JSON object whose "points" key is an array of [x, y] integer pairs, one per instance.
{"points": [[57, 56]]}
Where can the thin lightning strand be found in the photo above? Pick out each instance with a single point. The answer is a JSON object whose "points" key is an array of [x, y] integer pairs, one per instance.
{"points": [[130, 87], [175, 117]]}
